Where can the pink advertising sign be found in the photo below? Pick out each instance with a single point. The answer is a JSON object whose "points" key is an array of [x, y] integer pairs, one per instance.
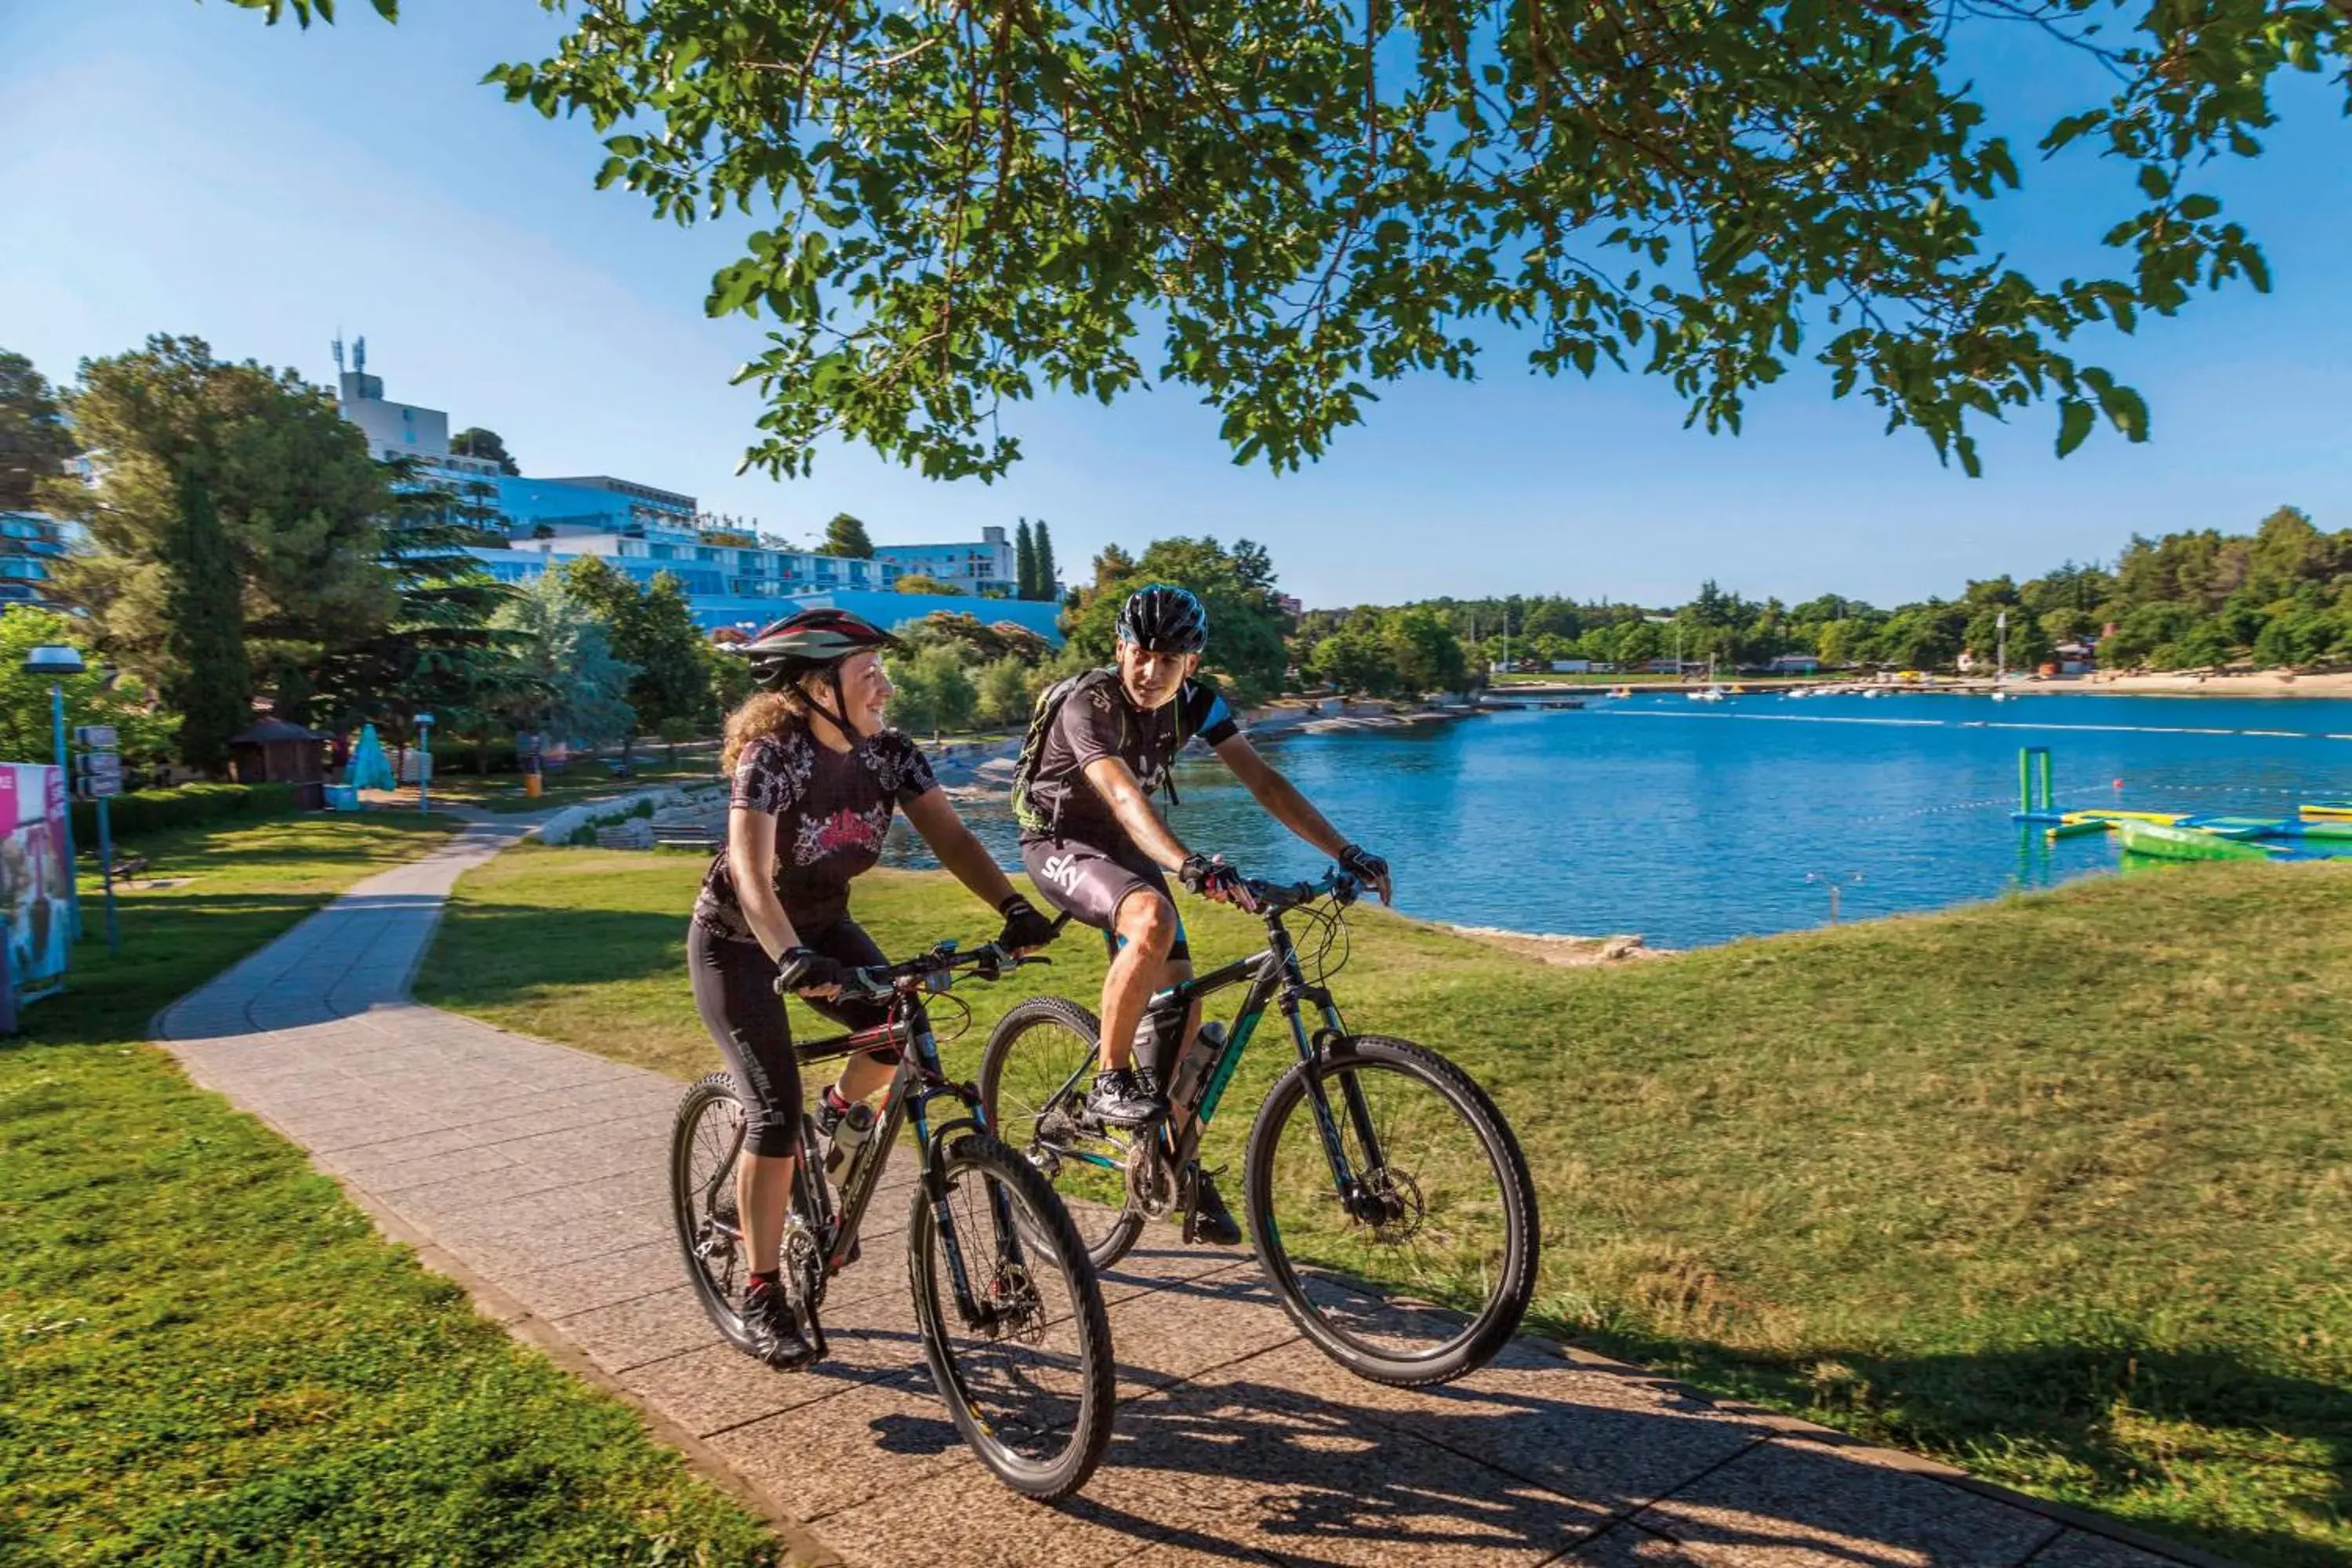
{"points": [[36, 883]]}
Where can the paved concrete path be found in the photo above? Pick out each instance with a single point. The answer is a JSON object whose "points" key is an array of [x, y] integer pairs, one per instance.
{"points": [[534, 1173]]}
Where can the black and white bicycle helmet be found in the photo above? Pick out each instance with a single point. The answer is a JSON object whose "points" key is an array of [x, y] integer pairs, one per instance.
{"points": [[810, 640], [1161, 618]]}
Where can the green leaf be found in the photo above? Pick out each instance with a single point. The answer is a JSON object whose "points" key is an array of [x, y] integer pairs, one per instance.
{"points": [[2125, 410], [2076, 418]]}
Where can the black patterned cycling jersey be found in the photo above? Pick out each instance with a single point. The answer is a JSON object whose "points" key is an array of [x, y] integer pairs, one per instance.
{"points": [[1096, 721], [832, 809]]}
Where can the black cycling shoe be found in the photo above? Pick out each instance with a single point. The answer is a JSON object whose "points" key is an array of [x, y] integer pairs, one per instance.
{"points": [[1212, 1221], [1118, 1099], [775, 1326]]}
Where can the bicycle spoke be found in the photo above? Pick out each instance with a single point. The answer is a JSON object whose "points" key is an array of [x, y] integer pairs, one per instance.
{"points": [[1020, 1369], [1037, 1091], [1401, 1265], [706, 1141]]}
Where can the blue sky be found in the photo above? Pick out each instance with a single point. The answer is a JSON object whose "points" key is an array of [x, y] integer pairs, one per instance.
{"points": [[171, 166]]}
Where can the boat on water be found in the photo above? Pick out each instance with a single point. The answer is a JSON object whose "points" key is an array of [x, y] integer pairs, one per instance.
{"points": [[2159, 841]]}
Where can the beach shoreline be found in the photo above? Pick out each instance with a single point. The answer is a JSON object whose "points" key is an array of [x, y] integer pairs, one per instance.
{"points": [[2335, 684], [1566, 952], [2247, 683]]}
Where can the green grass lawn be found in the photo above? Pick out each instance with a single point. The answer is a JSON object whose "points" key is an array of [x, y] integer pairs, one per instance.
{"points": [[503, 793], [208, 1357], [2058, 1188]]}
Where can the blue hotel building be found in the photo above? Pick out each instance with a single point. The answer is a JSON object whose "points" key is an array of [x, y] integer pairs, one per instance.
{"points": [[30, 544], [642, 530]]}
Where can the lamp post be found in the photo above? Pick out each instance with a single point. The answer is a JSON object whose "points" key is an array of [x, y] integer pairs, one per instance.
{"points": [[57, 661], [425, 762]]}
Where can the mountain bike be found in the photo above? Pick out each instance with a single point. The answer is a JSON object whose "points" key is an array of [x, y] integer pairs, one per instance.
{"points": [[1374, 1167], [1011, 1314]]}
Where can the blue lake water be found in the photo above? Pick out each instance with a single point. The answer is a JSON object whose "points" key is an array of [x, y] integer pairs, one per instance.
{"points": [[1696, 823]]}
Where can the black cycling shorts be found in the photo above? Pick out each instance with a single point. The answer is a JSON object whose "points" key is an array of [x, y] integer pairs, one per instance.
{"points": [[1088, 882], [735, 992]]}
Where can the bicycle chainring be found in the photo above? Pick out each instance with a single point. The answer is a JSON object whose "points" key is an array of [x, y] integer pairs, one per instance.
{"points": [[804, 1263], [1150, 1180]]}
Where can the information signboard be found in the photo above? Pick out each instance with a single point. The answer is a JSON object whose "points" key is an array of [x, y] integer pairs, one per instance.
{"points": [[36, 884]]}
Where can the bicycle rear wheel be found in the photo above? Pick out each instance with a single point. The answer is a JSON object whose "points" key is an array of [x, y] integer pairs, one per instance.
{"points": [[705, 1139], [1035, 1072], [1028, 1376], [1421, 1269]]}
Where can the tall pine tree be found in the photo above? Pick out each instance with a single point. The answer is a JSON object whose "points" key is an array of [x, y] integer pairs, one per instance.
{"points": [[844, 535], [1024, 562], [207, 676], [1045, 547]]}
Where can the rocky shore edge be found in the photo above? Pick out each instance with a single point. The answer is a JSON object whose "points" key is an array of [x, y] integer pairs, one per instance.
{"points": [[1569, 952]]}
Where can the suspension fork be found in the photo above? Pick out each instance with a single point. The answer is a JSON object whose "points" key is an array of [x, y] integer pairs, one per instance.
{"points": [[1296, 992], [926, 1082]]}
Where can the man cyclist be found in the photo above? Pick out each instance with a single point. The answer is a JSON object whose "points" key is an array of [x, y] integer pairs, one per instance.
{"points": [[1089, 840]]}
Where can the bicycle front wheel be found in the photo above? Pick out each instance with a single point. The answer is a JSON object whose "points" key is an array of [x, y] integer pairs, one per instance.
{"points": [[1411, 1257], [1022, 1354]]}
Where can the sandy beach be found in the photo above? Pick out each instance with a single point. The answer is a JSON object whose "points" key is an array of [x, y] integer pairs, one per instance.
{"points": [[2246, 683]]}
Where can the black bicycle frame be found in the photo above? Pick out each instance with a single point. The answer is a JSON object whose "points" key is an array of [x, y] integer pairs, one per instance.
{"points": [[1273, 976], [919, 1080]]}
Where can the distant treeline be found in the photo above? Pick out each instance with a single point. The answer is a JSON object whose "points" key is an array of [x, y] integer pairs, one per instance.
{"points": [[2279, 596]]}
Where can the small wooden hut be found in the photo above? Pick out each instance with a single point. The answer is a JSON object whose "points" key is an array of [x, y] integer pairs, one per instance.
{"points": [[274, 752]]}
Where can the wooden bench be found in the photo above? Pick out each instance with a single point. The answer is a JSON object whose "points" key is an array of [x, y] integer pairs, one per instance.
{"points": [[684, 836]]}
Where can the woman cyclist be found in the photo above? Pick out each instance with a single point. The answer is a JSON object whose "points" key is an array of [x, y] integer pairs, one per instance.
{"points": [[816, 776]]}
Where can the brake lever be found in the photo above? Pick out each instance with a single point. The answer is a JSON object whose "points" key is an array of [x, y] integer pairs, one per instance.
{"points": [[860, 986]]}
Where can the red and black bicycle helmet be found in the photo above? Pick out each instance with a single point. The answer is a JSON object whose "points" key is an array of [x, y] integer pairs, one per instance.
{"points": [[810, 640]]}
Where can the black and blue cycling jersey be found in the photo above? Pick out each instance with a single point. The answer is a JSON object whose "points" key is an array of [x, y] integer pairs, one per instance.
{"points": [[1088, 718]]}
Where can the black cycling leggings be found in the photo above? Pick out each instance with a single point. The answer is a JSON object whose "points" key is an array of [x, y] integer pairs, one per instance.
{"points": [[735, 992]]}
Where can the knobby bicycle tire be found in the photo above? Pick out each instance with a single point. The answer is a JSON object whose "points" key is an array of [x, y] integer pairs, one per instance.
{"points": [[704, 1094], [1038, 1212], [1041, 1013], [1487, 1330]]}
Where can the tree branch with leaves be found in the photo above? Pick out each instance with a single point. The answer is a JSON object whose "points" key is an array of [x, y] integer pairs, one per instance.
{"points": [[972, 205]]}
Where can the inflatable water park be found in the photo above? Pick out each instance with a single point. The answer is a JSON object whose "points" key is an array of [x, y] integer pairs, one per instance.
{"points": [[2315, 830]]}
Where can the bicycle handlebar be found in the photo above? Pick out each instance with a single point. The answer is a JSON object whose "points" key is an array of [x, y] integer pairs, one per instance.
{"points": [[1273, 898], [987, 961]]}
